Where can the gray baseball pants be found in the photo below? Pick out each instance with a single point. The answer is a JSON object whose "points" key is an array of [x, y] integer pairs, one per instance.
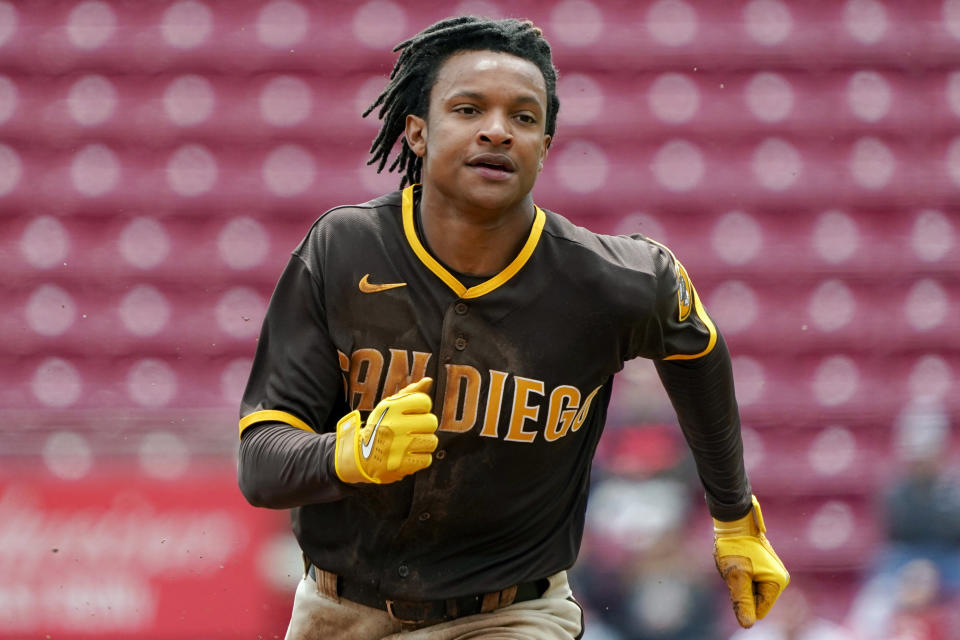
{"points": [[323, 616]]}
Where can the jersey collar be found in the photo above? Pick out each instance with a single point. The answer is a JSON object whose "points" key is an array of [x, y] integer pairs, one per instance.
{"points": [[409, 229]]}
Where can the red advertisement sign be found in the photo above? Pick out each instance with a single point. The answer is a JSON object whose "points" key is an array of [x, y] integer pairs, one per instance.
{"points": [[120, 555]]}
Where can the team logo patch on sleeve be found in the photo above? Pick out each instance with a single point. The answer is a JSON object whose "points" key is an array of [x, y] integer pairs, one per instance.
{"points": [[684, 291]]}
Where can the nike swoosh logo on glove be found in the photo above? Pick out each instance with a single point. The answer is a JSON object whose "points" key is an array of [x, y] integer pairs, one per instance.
{"points": [[367, 448]]}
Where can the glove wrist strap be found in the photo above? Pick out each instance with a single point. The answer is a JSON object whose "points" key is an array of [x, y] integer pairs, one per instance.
{"points": [[749, 525], [347, 461]]}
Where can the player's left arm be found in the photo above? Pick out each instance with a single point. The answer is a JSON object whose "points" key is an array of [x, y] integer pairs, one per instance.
{"points": [[695, 369], [702, 394]]}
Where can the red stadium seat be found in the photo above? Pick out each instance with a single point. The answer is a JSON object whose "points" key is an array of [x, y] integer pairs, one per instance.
{"points": [[125, 318], [837, 533], [824, 459], [801, 160]]}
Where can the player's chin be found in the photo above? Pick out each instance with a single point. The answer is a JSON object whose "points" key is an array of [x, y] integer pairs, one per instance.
{"points": [[496, 194], [492, 201]]}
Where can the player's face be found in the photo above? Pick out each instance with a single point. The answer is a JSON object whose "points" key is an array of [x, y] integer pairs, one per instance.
{"points": [[483, 141]]}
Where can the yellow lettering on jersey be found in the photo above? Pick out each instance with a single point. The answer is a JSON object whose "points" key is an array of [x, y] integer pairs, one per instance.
{"points": [[345, 370], [400, 373], [584, 410], [366, 366], [564, 402], [491, 417], [522, 411], [457, 418]]}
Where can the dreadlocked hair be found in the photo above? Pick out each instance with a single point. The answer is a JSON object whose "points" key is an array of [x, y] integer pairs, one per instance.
{"points": [[420, 59]]}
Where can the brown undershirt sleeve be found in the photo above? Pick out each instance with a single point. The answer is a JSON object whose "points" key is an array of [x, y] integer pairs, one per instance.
{"points": [[281, 467], [702, 394]]}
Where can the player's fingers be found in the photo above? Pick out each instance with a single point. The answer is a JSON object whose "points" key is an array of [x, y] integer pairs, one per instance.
{"points": [[415, 404], [420, 386], [740, 583], [413, 424], [767, 594], [423, 444], [414, 462]]}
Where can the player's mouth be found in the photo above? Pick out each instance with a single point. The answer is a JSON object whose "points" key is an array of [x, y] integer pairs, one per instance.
{"points": [[494, 166]]}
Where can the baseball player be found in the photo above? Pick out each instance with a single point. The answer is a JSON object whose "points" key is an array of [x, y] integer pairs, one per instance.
{"points": [[435, 365]]}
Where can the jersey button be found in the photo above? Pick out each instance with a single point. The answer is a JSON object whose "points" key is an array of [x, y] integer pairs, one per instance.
{"points": [[460, 343], [461, 308], [424, 516], [440, 455], [403, 571]]}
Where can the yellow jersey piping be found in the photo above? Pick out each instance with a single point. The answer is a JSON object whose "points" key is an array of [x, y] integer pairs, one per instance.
{"points": [[272, 415], [701, 313]]}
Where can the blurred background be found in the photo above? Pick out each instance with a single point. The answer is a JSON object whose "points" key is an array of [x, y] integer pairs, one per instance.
{"points": [[159, 160]]}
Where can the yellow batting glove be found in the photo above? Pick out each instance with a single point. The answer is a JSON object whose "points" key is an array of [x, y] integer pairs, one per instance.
{"points": [[749, 565], [398, 439]]}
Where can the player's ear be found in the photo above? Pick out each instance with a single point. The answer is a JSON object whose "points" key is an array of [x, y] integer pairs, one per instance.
{"points": [[416, 134], [546, 148]]}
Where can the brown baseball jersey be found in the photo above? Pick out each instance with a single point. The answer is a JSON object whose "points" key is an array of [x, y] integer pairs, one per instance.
{"points": [[523, 363]]}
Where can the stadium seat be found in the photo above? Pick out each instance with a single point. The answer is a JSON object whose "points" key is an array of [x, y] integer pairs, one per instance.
{"points": [[822, 459], [159, 163], [837, 533]]}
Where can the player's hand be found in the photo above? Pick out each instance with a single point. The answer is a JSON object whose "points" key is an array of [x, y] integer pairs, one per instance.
{"points": [[398, 439], [749, 565]]}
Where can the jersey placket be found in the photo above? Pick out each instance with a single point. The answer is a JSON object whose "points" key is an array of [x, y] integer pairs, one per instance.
{"points": [[454, 342], [454, 348]]}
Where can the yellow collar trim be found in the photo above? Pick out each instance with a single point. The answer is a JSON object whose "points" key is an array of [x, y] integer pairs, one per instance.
{"points": [[409, 228]]}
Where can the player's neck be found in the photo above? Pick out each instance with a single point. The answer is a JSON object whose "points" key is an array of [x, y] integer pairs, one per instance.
{"points": [[474, 241]]}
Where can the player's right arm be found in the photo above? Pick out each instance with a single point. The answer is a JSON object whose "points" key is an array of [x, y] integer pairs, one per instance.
{"points": [[287, 441], [299, 443], [283, 466]]}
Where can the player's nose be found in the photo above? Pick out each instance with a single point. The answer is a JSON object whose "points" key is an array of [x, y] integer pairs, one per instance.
{"points": [[495, 130]]}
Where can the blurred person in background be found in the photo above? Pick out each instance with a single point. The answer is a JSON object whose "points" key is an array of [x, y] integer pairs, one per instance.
{"points": [[921, 610], [640, 572], [670, 597], [918, 570], [906, 604], [795, 619], [922, 505]]}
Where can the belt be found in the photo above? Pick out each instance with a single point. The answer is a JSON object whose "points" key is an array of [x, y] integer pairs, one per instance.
{"points": [[431, 611]]}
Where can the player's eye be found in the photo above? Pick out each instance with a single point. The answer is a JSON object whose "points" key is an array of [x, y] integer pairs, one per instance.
{"points": [[467, 110], [526, 118]]}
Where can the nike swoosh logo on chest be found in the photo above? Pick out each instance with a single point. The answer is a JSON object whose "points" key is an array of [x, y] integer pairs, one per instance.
{"points": [[368, 287]]}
